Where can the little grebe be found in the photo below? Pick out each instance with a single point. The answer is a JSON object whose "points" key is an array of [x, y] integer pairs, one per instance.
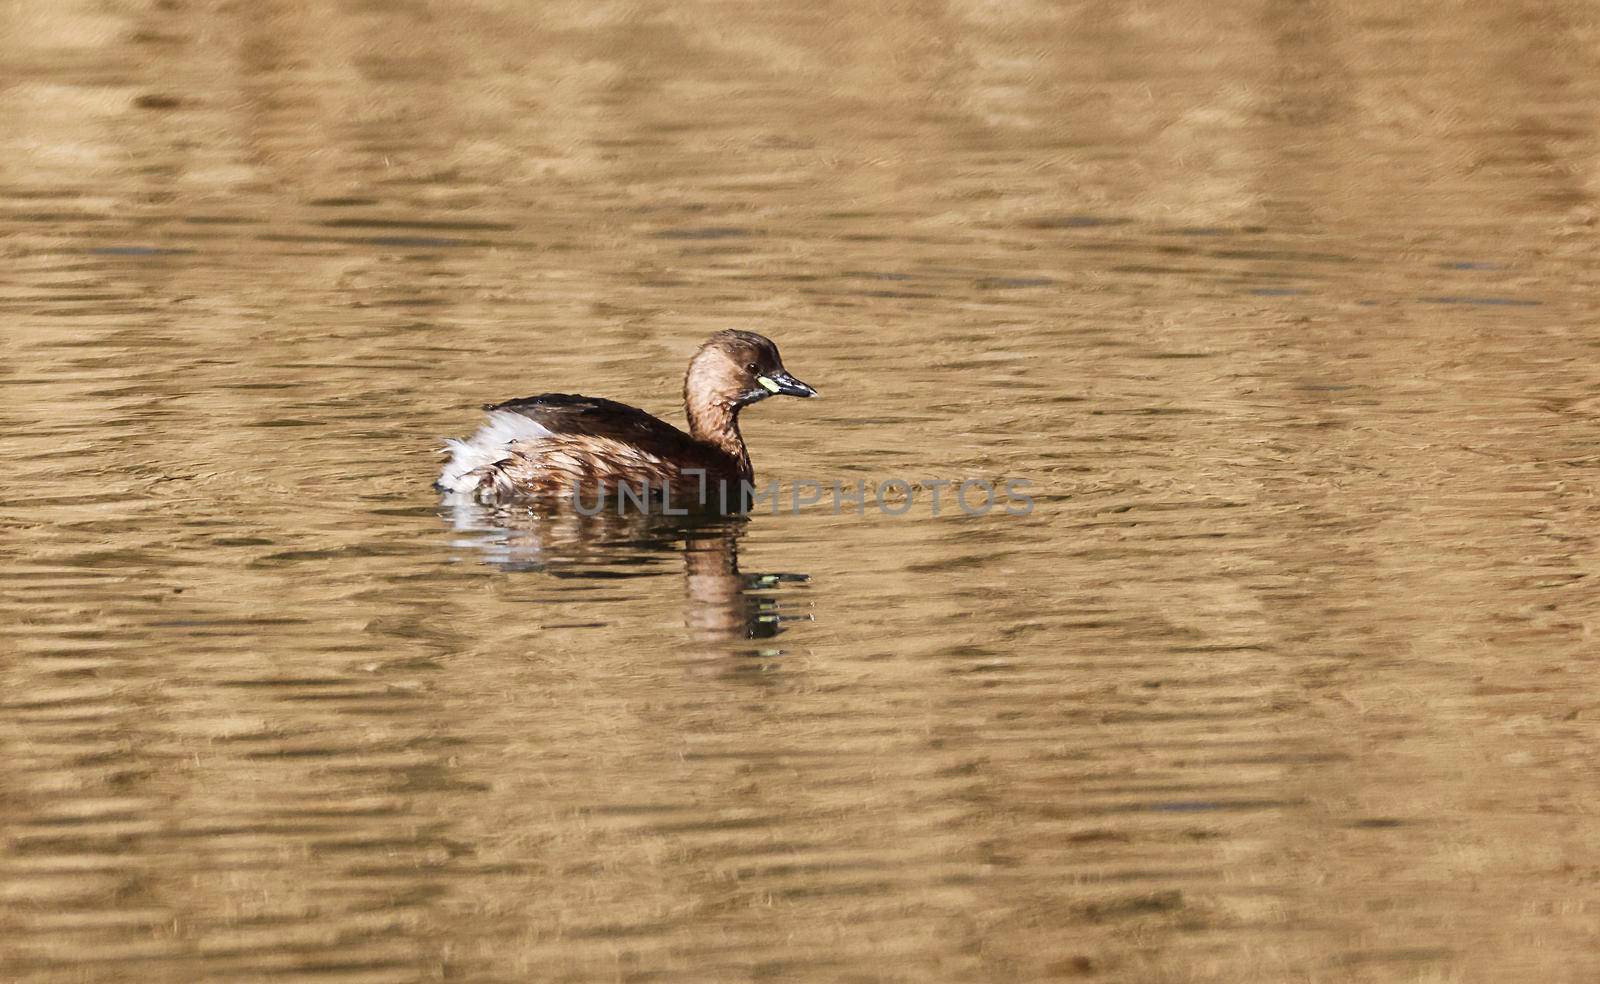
{"points": [[555, 445]]}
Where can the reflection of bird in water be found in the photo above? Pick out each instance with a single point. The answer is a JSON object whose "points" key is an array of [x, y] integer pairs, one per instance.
{"points": [[723, 603]]}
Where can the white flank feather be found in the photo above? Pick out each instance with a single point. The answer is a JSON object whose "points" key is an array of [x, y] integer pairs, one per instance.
{"points": [[490, 444]]}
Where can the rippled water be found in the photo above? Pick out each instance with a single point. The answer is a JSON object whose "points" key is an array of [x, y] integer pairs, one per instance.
{"points": [[1285, 308]]}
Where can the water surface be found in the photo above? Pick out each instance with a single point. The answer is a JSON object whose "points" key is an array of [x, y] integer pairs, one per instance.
{"points": [[1285, 308]]}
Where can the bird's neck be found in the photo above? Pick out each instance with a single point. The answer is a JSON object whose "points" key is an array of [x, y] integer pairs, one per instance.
{"points": [[716, 423]]}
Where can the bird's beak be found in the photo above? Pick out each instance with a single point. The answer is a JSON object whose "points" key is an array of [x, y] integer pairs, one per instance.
{"points": [[780, 383]]}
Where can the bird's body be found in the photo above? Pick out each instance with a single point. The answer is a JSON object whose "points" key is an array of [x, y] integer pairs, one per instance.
{"points": [[560, 445], [553, 445]]}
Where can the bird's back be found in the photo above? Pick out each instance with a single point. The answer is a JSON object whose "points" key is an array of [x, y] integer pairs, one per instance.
{"points": [[568, 414], [557, 443]]}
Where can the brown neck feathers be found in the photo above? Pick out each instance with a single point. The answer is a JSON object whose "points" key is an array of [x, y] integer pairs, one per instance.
{"points": [[711, 391], [716, 423]]}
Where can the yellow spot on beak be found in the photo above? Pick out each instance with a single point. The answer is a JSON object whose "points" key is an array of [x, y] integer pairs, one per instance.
{"points": [[767, 384]]}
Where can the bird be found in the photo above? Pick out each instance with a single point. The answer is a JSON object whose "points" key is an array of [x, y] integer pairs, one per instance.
{"points": [[564, 446]]}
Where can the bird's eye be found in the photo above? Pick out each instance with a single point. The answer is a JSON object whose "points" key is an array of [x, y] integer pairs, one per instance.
{"points": [[752, 368]]}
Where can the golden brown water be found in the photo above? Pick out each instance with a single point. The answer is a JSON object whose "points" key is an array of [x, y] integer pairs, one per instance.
{"points": [[1286, 308]]}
